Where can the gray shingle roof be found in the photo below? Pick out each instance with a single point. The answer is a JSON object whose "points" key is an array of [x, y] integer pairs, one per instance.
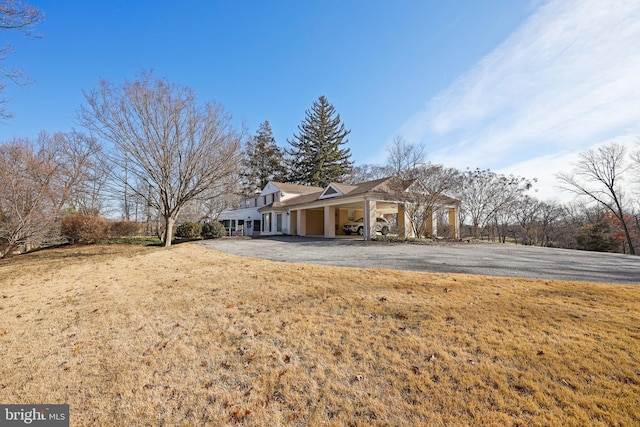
{"points": [[390, 185]]}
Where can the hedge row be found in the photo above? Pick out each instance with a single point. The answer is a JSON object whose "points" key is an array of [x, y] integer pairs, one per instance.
{"points": [[89, 229]]}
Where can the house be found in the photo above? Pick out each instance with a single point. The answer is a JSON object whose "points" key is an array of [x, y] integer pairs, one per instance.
{"points": [[300, 210]]}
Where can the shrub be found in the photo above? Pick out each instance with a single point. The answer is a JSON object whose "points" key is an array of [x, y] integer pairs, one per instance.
{"points": [[596, 237], [124, 229], [189, 230], [213, 230], [84, 229]]}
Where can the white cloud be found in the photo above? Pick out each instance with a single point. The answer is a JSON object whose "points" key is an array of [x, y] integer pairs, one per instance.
{"points": [[565, 80]]}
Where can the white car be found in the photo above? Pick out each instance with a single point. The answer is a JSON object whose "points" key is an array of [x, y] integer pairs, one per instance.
{"points": [[357, 226]]}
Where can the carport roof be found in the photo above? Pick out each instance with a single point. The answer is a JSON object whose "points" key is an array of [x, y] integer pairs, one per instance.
{"points": [[388, 186]]}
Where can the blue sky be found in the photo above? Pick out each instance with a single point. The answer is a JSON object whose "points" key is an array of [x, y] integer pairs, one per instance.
{"points": [[515, 86]]}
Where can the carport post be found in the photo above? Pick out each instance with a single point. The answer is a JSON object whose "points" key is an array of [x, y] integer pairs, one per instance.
{"points": [[454, 224], [404, 223], [301, 219], [329, 222], [369, 218]]}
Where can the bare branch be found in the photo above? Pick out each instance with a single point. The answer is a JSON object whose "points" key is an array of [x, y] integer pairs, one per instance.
{"points": [[403, 158], [15, 15], [598, 175]]}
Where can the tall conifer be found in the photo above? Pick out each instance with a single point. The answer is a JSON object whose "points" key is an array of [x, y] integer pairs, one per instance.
{"points": [[263, 160], [317, 156]]}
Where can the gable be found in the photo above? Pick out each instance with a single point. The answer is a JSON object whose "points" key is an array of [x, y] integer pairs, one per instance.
{"points": [[330, 192], [416, 187], [270, 188]]}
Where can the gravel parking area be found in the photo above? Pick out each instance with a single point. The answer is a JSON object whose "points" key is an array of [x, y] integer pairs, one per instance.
{"points": [[471, 258]]}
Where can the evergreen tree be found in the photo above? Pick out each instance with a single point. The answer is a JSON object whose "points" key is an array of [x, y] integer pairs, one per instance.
{"points": [[316, 156], [263, 161], [596, 237]]}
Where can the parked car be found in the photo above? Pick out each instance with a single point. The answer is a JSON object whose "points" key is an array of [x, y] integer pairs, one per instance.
{"points": [[357, 226]]}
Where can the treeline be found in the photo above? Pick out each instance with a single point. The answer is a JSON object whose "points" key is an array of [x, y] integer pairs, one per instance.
{"points": [[604, 215]]}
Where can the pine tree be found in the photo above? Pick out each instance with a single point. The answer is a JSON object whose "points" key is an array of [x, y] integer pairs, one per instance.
{"points": [[316, 156], [263, 161]]}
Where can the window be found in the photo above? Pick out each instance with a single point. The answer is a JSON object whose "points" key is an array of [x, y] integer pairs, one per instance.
{"points": [[266, 222], [279, 223]]}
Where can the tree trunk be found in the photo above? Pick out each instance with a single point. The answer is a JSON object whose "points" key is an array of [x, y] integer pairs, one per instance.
{"points": [[7, 251], [620, 215], [169, 222]]}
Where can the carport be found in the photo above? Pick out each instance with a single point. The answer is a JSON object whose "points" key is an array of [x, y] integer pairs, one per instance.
{"points": [[326, 213]]}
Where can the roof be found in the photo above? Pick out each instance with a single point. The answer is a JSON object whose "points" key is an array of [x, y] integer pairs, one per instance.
{"points": [[296, 188], [388, 185]]}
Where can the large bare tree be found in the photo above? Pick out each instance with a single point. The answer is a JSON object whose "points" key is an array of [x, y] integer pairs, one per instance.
{"points": [[85, 168], [18, 16], [26, 173], [366, 172], [485, 194], [598, 175], [38, 180], [403, 158], [179, 148], [430, 192]]}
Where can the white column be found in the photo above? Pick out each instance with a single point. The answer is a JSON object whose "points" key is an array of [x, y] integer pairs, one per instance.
{"points": [[302, 222], [434, 224], [329, 222], [454, 224], [404, 223], [369, 219]]}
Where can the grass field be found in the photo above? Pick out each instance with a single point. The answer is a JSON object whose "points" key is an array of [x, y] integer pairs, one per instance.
{"points": [[132, 335]]}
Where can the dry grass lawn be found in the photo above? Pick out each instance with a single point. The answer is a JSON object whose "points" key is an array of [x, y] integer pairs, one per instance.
{"points": [[188, 336]]}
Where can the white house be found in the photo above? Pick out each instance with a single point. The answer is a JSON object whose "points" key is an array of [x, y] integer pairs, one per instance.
{"points": [[301, 210]]}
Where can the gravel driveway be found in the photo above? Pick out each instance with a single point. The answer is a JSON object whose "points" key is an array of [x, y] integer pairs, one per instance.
{"points": [[477, 258]]}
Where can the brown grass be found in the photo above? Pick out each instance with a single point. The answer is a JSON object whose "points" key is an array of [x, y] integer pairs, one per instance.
{"points": [[188, 336]]}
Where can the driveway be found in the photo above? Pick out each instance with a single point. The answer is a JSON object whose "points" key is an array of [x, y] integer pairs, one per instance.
{"points": [[472, 258]]}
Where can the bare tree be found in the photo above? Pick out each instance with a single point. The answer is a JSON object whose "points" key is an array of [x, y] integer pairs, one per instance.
{"points": [[403, 158], [485, 194], [598, 175], [635, 156], [533, 218], [178, 148], [37, 179], [366, 172], [549, 214], [429, 193], [15, 15], [82, 176], [26, 175]]}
